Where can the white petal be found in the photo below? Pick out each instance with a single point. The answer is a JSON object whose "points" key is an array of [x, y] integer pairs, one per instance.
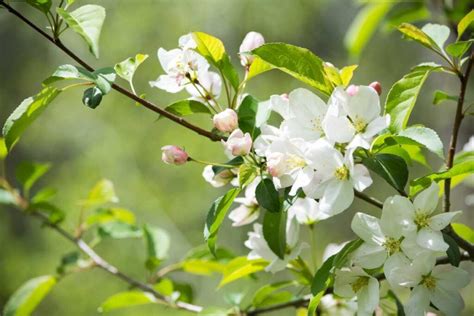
{"points": [[419, 301], [361, 177], [306, 211], [337, 197], [376, 126], [338, 129], [167, 57], [324, 158], [281, 106], [411, 248], [430, 239], [427, 200], [452, 279], [303, 178], [397, 216], [393, 269], [367, 227], [440, 221], [358, 141], [167, 83], [364, 104], [368, 297], [295, 128], [306, 105], [449, 302], [369, 256]]}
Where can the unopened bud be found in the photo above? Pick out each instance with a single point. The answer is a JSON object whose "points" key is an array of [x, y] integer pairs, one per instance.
{"points": [[238, 143], [226, 121], [251, 41], [376, 86], [174, 155]]}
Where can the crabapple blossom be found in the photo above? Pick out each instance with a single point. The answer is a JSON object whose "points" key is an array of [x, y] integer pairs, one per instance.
{"points": [[306, 211], [226, 121], [206, 87], [251, 41], [220, 179], [248, 211], [333, 306], [355, 282], [173, 155], [238, 143], [259, 248], [187, 41], [376, 86], [332, 249]]}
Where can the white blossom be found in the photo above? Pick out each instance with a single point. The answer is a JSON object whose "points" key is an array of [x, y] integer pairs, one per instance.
{"points": [[238, 143], [306, 211], [248, 211], [251, 41], [206, 88], [222, 178]]}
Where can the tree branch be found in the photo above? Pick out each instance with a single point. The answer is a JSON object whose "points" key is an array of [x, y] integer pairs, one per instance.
{"points": [[368, 199], [120, 89]]}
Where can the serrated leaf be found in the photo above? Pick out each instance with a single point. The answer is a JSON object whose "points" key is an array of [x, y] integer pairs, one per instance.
{"points": [[298, 62], [241, 267], [126, 69], [426, 137], [267, 196], [391, 168], [127, 299], [414, 33], [364, 25], [465, 22], [86, 21], [25, 114], [247, 115], [274, 232], [464, 231], [24, 301], [402, 96], [458, 49], [28, 173], [187, 107], [216, 216]]}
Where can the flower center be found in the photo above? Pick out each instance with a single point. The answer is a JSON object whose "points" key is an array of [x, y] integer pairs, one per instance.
{"points": [[360, 283], [359, 125], [428, 281], [392, 245], [342, 173], [316, 122], [295, 162], [421, 220]]}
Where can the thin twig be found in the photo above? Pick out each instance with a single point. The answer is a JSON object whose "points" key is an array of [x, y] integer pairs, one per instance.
{"points": [[368, 199], [127, 93]]}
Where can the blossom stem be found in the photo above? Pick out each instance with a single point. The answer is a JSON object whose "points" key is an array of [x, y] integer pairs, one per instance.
{"points": [[211, 163], [116, 87], [368, 199]]}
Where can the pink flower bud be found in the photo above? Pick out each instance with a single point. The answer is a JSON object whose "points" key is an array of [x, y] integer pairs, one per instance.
{"points": [[352, 90], [174, 155], [285, 96], [251, 41], [226, 121], [376, 86], [238, 143]]}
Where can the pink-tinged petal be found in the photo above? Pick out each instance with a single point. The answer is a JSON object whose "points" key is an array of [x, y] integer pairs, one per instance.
{"points": [[427, 200], [369, 256], [365, 104], [367, 227], [440, 221], [337, 197], [338, 129], [361, 178], [419, 301], [430, 239]]}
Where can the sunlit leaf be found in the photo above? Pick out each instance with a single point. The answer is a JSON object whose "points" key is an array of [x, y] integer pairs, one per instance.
{"points": [[465, 23], [267, 196], [466, 232], [126, 69], [241, 267], [158, 244], [187, 107], [42, 5], [268, 295], [391, 168], [102, 192], [105, 215], [127, 299], [28, 173], [426, 137]]}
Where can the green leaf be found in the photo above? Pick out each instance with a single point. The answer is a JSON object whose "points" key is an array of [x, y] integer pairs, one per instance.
{"points": [[466, 232], [86, 21], [322, 280], [6, 197], [391, 168], [440, 96], [258, 66], [439, 34], [103, 192], [127, 299], [202, 267], [247, 174], [25, 114], [266, 295], [454, 255], [364, 25], [118, 230], [298, 62], [402, 96], [158, 244], [414, 33], [28, 173], [241, 267], [69, 72], [346, 74], [274, 232], [343, 254], [3, 149], [92, 97], [209, 46], [410, 12], [247, 116], [187, 107], [24, 301], [216, 216], [44, 195], [229, 72], [126, 69], [42, 5], [234, 162], [465, 23], [267, 196], [458, 49], [55, 214], [104, 78], [105, 215], [427, 137]]}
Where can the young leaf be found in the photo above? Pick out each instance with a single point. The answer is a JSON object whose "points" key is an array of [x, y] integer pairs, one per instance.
{"points": [[346, 74], [440, 96], [454, 255], [414, 33], [187, 107], [247, 174], [55, 214], [126, 69], [266, 295], [464, 231], [298, 62], [247, 116], [24, 301], [118, 230], [267, 196], [25, 114], [202, 267], [28, 173], [322, 280], [234, 162], [42, 5], [458, 49], [241, 267], [69, 72], [216, 216], [426, 137], [274, 232], [102, 192], [402, 96], [86, 21], [92, 97], [391, 168], [258, 66], [3, 149], [105, 215], [127, 299], [364, 25], [438, 33], [465, 23], [158, 244]]}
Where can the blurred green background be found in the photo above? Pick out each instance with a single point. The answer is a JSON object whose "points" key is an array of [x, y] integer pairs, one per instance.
{"points": [[121, 141]]}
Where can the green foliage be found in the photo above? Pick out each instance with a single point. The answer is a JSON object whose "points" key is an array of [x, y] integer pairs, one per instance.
{"points": [[322, 279], [28, 173], [440, 96], [412, 32], [402, 96], [42, 5], [409, 12], [3, 149], [86, 21], [465, 22], [464, 231], [216, 216], [118, 230], [269, 294], [424, 137], [342, 256], [247, 116], [391, 168], [274, 232], [454, 255], [24, 301], [267, 196], [298, 62], [234, 162], [25, 114], [241, 267], [158, 244], [458, 49], [365, 25], [111, 214], [126, 69], [101, 193], [187, 107], [126, 299], [247, 174]]}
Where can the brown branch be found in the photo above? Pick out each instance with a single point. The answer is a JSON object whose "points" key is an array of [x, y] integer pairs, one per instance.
{"points": [[120, 89], [368, 199], [455, 131]]}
